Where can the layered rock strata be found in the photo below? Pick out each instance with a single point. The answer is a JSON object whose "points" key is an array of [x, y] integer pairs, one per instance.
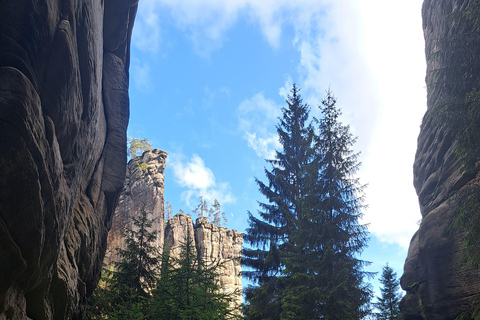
{"points": [[438, 285], [143, 190], [64, 110]]}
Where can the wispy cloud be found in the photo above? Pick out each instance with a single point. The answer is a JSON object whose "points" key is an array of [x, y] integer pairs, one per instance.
{"points": [[198, 180], [207, 21], [257, 118], [363, 50], [147, 30], [140, 74]]}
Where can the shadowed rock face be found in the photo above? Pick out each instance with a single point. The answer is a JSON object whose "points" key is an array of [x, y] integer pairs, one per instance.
{"points": [[64, 110], [437, 285]]}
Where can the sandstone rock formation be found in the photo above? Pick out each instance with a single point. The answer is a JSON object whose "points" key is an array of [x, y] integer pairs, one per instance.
{"points": [[144, 189], [224, 245], [64, 110], [215, 244], [437, 285]]}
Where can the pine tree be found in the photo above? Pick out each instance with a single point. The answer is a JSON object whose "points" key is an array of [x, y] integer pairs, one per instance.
{"points": [[271, 232], [308, 236], [202, 208], [335, 237], [125, 291], [388, 303], [216, 215], [188, 288], [139, 265], [169, 210]]}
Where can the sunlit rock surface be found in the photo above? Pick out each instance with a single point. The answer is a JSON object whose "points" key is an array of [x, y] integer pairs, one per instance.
{"points": [[437, 285], [144, 189], [64, 111]]}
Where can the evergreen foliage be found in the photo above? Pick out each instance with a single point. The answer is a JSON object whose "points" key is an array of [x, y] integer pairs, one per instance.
{"points": [[168, 211], [184, 287], [202, 208], [188, 288], [388, 303], [307, 238], [214, 214], [125, 291]]}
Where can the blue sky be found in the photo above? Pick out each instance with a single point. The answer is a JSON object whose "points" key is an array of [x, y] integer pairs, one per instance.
{"points": [[208, 79]]}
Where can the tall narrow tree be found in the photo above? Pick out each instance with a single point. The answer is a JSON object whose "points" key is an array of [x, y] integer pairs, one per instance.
{"points": [[125, 291], [336, 232], [308, 237], [189, 288], [271, 232], [388, 303]]}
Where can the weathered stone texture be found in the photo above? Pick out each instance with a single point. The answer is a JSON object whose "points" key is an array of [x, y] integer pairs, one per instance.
{"points": [[438, 286], [222, 245], [143, 190], [215, 244], [63, 116]]}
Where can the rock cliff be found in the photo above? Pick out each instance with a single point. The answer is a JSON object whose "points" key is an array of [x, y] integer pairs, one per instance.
{"points": [[64, 111], [216, 244], [143, 189], [437, 285]]}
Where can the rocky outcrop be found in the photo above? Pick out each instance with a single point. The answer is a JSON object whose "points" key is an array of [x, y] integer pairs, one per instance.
{"points": [[438, 286], [64, 110], [225, 246], [215, 244], [143, 190], [144, 186]]}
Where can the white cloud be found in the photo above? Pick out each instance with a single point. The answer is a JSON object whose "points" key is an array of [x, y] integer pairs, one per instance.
{"points": [[198, 180], [207, 21], [394, 52], [264, 146], [140, 74], [147, 31], [363, 50], [257, 119]]}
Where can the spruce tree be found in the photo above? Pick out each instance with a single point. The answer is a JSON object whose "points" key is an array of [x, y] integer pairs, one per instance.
{"points": [[308, 237], [138, 267], [388, 303], [216, 215], [271, 233], [188, 288], [125, 290], [334, 238]]}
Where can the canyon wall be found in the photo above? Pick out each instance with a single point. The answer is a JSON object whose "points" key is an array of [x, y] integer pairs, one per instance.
{"points": [[143, 190], [438, 285], [64, 110]]}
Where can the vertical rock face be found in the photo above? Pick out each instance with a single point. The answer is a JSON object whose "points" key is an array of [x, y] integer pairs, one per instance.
{"points": [[224, 245], [63, 115], [215, 244], [437, 285], [144, 189]]}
